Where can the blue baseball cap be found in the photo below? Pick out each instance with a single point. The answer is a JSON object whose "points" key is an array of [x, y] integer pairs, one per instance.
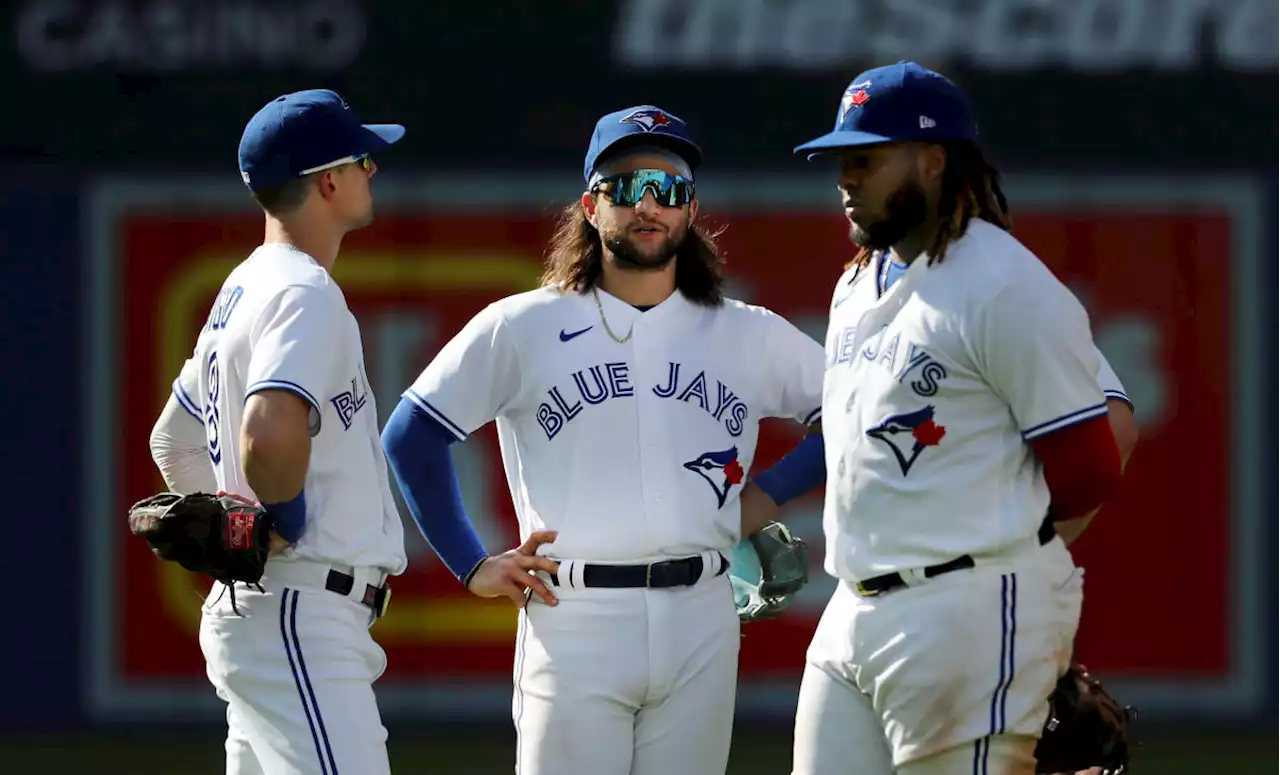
{"points": [[303, 132], [903, 101], [640, 125]]}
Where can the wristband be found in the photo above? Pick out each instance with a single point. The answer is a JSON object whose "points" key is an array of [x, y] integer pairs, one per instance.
{"points": [[289, 517]]}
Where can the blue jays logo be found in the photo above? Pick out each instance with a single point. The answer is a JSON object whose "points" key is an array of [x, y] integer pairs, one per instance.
{"points": [[908, 434], [647, 119], [854, 97], [720, 469]]}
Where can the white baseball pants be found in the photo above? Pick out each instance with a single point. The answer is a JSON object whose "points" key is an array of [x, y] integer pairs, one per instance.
{"points": [[296, 668], [627, 681], [950, 675]]}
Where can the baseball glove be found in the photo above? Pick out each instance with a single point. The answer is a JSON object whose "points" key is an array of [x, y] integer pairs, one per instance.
{"points": [[766, 570], [1086, 727], [219, 535]]}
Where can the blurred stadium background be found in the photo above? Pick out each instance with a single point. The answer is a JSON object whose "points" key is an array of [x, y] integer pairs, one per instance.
{"points": [[1139, 143]]}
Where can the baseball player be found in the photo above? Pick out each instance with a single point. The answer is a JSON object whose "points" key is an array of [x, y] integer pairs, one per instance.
{"points": [[963, 402], [274, 406], [627, 393]]}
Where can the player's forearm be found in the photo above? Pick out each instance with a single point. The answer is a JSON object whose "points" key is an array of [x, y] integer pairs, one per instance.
{"points": [[1125, 432], [800, 471], [1070, 529], [178, 448], [417, 450], [185, 471], [1081, 467], [275, 442], [757, 508]]}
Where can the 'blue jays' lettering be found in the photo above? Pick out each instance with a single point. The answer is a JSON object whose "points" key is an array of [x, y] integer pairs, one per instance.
{"points": [[609, 381], [728, 408], [348, 402], [909, 363]]}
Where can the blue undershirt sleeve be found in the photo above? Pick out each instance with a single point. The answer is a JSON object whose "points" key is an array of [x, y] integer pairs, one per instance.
{"points": [[417, 449], [799, 471]]}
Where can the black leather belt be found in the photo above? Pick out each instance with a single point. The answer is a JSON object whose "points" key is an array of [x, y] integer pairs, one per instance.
{"points": [[878, 585], [377, 598], [658, 575]]}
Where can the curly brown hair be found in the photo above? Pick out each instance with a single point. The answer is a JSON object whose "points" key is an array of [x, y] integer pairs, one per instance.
{"points": [[575, 258], [970, 187]]}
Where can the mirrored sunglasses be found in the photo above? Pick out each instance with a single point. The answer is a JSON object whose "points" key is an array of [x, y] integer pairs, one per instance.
{"points": [[628, 188]]}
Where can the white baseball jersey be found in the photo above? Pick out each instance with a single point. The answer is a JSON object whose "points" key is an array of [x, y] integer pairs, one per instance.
{"points": [[634, 452], [1110, 383], [280, 322], [931, 393]]}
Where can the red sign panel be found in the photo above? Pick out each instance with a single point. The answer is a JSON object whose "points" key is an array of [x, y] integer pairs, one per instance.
{"points": [[1156, 286]]}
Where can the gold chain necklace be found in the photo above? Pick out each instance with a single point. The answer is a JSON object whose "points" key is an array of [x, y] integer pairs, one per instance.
{"points": [[596, 293]]}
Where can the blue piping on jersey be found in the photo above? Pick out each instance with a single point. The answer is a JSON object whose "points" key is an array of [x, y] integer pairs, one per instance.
{"points": [[185, 401], [436, 414], [282, 384], [1066, 421], [417, 448], [1118, 396]]}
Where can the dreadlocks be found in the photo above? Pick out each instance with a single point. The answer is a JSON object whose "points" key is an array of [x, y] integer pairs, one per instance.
{"points": [[970, 187]]}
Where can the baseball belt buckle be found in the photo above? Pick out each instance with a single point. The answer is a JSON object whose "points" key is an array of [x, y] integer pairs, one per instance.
{"points": [[864, 591], [378, 598]]}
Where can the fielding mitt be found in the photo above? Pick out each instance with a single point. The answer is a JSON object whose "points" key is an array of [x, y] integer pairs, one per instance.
{"points": [[766, 570], [1086, 728], [220, 535]]}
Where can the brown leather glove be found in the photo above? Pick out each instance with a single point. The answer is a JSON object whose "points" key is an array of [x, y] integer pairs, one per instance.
{"points": [[1087, 727]]}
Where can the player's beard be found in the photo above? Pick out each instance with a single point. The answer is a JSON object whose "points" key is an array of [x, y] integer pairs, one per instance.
{"points": [[627, 255], [906, 209]]}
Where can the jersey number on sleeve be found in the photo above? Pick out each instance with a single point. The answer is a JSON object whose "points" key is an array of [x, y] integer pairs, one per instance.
{"points": [[211, 424]]}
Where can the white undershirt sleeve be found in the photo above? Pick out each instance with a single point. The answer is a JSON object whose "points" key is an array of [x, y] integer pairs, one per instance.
{"points": [[178, 448]]}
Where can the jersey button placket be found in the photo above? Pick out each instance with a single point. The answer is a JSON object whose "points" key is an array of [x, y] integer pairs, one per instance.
{"points": [[647, 364]]}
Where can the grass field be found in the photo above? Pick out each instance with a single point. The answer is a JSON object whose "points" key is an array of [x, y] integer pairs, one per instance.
{"points": [[457, 752]]}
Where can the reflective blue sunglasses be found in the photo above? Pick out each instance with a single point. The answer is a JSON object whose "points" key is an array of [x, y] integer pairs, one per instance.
{"points": [[628, 188]]}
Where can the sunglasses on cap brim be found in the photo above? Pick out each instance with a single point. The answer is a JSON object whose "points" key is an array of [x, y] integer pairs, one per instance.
{"points": [[363, 159], [628, 188]]}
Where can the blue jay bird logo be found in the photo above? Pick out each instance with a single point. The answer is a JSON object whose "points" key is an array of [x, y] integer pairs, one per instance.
{"points": [[720, 469], [854, 97], [920, 429], [647, 119]]}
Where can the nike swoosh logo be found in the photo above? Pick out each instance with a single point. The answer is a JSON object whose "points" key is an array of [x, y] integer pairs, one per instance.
{"points": [[566, 337]]}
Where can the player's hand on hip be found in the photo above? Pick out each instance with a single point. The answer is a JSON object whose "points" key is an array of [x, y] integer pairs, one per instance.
{"points": [[510, 574]]}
